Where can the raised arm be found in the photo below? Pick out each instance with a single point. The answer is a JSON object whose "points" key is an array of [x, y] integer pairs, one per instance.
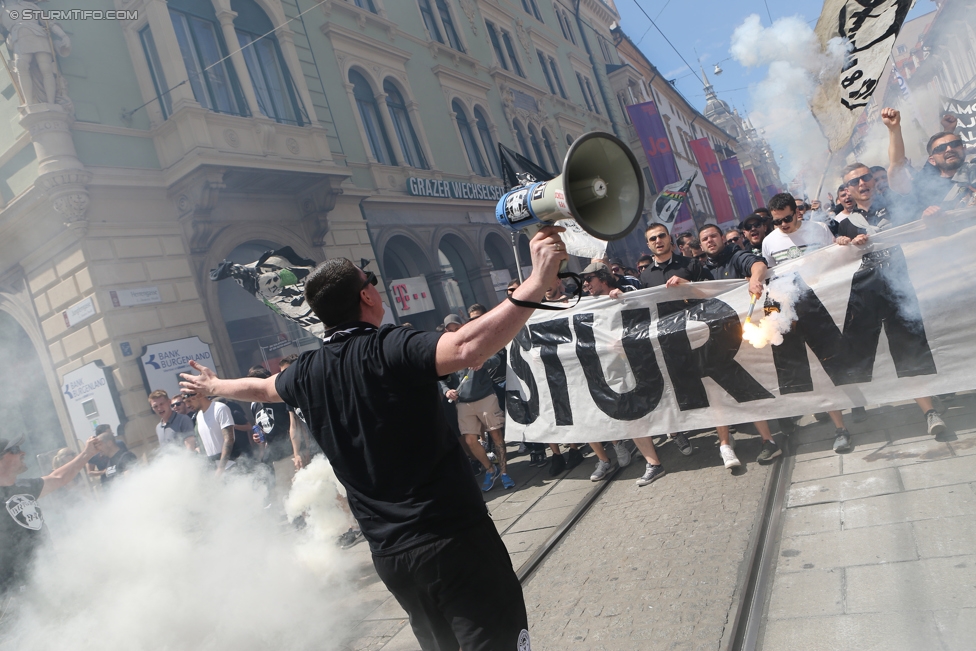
{"points": [[478, 340], [61, 476], [898, 179], [247, 389]]}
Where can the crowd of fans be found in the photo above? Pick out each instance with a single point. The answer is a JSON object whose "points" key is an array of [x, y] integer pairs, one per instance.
{"points": [[868, 201]]}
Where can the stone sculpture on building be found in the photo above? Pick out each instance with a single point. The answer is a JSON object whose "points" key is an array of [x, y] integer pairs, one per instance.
{"points": [[33, 44]]}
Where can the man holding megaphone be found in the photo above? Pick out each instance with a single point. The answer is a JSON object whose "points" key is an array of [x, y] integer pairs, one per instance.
{"points": [[371, 399]]}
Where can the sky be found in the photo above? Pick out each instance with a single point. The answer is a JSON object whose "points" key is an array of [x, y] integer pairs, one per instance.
{"points": [[700, 30]]}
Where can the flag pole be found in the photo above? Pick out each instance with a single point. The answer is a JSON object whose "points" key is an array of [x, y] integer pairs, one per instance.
{"points": [[823, 176]]}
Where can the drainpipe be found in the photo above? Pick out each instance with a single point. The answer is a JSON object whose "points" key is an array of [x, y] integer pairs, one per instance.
{"points": [[599, 81]]}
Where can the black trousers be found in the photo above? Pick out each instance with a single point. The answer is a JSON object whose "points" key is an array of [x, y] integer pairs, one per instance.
{"points": [[460, 592]]}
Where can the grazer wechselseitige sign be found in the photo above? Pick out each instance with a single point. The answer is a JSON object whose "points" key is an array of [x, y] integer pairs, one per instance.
{"points": [[440, 189], [875, 324]]}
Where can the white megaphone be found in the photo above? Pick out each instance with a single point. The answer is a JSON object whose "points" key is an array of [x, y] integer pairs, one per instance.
{"points": [[600, 187]]}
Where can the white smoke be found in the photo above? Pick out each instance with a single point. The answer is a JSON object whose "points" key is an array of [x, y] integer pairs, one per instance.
{"points": [[172, 558], [781, 108], [771, 328]]}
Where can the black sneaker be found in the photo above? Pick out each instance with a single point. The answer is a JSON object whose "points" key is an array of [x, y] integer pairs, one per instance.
{"points": [[842, 440], [349, 538], [539, 459], [651, 474], [684, 445], [573, 458], [859, 414], [787, 426], [556, 465], [769, 452]]}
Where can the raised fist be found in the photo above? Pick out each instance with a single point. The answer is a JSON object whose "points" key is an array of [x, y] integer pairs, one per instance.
{"points": [[891, 118]]}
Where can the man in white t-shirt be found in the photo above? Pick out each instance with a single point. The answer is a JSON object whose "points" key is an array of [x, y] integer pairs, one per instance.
{"points": [[792, 239], [215, 427]]}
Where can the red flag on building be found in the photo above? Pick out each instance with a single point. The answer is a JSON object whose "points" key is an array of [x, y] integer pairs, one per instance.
{"points": [[714, 180]]}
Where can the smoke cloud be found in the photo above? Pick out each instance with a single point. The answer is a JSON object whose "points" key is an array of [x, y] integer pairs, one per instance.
{"points": [[771, 328], [173, 558], [781, 109]]}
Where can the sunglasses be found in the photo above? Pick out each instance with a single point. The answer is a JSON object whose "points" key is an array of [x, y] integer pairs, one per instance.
{"points": [[642, 267], [755, 226], [176, 404], [955, 144], [853, 183], [589, 278], [370, 280], [785, 220], [12, 450], [655, 238], [734, 239]]}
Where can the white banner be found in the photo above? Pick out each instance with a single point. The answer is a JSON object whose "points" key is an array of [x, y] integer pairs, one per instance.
{"points": [[412, 296], [870, 27], [885, 322]]}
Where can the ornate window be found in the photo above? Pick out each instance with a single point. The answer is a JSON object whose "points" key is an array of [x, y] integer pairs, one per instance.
{"points": [[440, 23], [413, 155], [582, 85], [203, 51], [496, 45], [516, 66], [430, 21], [156, 72], [467, 137], [532, 9], [452, 36], [491, 149], [536, 147], [520, 138], [273, 86], [365, 4], [550, 150], [379, 143], [545, 71], [557, 77]]}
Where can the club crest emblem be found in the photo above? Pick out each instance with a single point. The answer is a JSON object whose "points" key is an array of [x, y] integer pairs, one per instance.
{"points": [[25, 512]]}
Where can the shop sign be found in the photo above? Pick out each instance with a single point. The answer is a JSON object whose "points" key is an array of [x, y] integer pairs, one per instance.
{"points": [[420, 187], [90, 395], [411, 295], [162, 363]]}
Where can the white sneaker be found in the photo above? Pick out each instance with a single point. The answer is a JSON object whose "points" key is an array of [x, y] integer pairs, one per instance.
{"points": [[602, 468], [623, 454], [728, 456]]}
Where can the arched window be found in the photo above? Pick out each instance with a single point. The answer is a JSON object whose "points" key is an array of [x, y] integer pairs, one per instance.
{"points": [[490, 148], [536, 147], [520, 137], [204, 51], [467, 137], [379, 143], [550, 152], [413, 155], [273, 86]]}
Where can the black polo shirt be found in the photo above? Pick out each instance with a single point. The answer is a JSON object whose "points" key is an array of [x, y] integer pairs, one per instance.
{"points": [[732, 263], [678, 265], [371, 400]]}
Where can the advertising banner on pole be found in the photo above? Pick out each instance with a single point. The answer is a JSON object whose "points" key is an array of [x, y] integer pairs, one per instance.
{"points": [[162, 363], [737, 184], [754, 186], [653, 135], [673, 359], [714, 180]]}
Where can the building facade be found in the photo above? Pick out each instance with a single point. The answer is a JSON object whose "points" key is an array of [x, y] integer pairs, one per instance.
{"points": [[188, 132], [638, 80]]}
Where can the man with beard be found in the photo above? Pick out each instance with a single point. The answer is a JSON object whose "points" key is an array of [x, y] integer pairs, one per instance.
{"points": [[725, 262], [945, 183]]}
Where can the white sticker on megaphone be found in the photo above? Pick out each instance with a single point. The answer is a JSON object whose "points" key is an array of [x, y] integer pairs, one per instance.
{"points": [[517, 206], [579, 242]]}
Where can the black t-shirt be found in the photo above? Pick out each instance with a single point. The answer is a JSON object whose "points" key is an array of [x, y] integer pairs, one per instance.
{"points": [[372, 401], [21, 530], [118, 464], [678, 265], [275, 419], [242, 438]]}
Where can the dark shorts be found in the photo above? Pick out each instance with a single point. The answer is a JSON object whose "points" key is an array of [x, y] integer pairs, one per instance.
{"points": [[460, 592]]}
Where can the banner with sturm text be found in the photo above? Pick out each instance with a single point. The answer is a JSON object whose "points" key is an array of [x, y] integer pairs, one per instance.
{"points": [[858, 326]]}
